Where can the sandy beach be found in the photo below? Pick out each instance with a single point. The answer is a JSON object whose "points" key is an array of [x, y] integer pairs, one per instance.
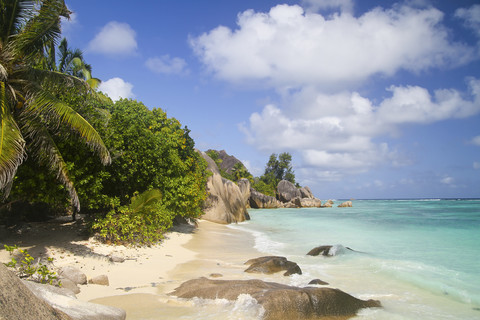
{"points": [[140, 284]]}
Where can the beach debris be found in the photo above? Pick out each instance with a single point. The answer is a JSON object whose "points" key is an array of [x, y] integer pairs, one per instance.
{"points": [[272, 264], [73, 274], [100, 280], [279, 301], [319, 282]]}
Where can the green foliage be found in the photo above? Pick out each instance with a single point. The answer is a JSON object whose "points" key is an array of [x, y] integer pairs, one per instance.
{"points": [[31, 111], [25, 267], [238, 171], [278, 168], [143, 222], [262, 187]]}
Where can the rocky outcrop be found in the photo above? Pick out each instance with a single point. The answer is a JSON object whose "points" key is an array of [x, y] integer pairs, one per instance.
{"points": [[293, 197], [345, 204], [225, 203], [17, 302], [244, 186], [307, 202], [272, 264], [227, 161], [281, 302], [258, 200], [65, 301], [287, 191], [305, 192]]}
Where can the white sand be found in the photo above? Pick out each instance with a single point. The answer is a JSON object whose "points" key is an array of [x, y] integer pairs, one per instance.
{"points": [[143, 269]]}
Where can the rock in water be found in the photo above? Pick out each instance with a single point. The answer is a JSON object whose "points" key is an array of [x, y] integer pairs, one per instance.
{"points": [[345, 204], [272, 264], [323, 250], [17, 302], [319, 282], [281, 302]]}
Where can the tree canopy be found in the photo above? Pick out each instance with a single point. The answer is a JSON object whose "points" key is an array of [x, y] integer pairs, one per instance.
{"points": [[31, 111]]}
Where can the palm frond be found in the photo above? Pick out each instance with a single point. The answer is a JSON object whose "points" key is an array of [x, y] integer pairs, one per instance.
{"points": [[145, 199], [46, 151], [42, 29], [14, 14], [58, 111], [12, 144]]}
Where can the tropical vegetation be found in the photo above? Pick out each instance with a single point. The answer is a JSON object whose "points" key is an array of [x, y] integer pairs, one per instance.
{"points": [[49, 104], [31, 111]]}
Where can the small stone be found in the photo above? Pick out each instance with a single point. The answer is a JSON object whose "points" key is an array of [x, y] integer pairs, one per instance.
{"points": [[100, 280], [73, 274], [216, 275]]}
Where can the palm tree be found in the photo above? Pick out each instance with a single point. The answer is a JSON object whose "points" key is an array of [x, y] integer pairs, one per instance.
{"points": [[30, 111], [70, 62]]}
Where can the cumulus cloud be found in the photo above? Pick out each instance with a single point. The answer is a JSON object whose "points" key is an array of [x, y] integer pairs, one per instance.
{"points": [[115, 38], [287, 47], [338, 131], [471, 16], [167, 65], [117, 88]]}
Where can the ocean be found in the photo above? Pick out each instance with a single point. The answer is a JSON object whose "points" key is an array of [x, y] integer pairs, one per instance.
{"points": [[420, 258]]}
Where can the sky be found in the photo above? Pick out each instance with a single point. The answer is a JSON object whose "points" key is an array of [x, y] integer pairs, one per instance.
{"points": [[373, 99]]}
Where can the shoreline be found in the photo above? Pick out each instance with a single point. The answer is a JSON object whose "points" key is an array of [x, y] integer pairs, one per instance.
{"points": [[140, 285]]}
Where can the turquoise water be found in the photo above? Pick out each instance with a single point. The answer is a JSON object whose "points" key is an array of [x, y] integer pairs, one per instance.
{"points": [[420, 258]]}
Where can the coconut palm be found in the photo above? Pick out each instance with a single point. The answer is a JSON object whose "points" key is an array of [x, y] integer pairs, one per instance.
{"points": [[31, 112], [70, 62]]}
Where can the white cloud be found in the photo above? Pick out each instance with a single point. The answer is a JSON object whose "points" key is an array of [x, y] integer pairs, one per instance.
{"points": [[167, 65], [471, 17], [287, 47], [338, 131], [117, 88], [476, 165], [475, 141], [115, 38]]}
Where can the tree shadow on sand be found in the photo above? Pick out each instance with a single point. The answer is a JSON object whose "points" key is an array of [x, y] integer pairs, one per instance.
{"points": [[62, 233]]}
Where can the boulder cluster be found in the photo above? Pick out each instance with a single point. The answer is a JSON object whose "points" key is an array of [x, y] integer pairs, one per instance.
{"points": [[279, 301], [21, 299], [228, 202]]}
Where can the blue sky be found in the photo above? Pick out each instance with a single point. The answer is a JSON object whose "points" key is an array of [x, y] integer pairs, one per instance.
{"points": [[373, 99]]}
